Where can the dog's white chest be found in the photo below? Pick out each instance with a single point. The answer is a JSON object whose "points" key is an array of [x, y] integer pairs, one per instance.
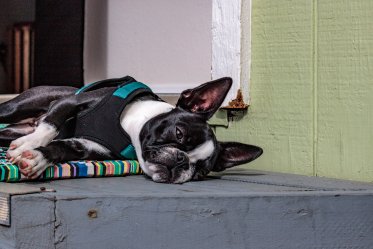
{"points": [[136, 114]]}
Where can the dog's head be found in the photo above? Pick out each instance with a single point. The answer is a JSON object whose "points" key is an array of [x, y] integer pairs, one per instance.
{"points": [[179, 145]]}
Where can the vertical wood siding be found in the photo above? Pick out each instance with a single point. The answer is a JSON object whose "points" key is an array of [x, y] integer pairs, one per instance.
{"points": [[311, 88]]}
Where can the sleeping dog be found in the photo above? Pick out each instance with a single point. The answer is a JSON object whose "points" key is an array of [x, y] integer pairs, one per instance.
{"points": [[121, 118]]}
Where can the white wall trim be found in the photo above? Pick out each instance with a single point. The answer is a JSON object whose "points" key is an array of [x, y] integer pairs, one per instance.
{"points": [[226, 43]]}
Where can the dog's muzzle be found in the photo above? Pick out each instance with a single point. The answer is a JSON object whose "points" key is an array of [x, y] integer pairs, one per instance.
{"points": [[168, 163], [167, 156]]}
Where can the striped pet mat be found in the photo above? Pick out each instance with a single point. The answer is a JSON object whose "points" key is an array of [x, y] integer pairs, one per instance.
{"points": [[74, 169]]}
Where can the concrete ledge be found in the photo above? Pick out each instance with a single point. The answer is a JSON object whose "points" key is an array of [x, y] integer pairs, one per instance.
{"points": [[237, 209]]}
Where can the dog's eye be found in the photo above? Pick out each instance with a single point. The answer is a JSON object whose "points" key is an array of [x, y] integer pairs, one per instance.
{"points": [[179, 134]]}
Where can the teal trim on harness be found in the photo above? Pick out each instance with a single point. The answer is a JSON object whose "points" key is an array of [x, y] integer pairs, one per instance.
{"points": [[83, 88], [126, 90], [129, 152]]}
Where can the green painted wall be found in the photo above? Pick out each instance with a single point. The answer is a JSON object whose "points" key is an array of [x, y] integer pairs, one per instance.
{"points": [[311, 88]]}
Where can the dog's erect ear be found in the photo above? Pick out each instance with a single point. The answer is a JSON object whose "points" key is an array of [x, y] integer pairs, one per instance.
{"points": [[233, 154], [206, 98]]}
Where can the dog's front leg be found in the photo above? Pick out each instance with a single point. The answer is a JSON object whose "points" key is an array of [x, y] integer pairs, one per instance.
{"points": [[48, 128], [35, 161]]}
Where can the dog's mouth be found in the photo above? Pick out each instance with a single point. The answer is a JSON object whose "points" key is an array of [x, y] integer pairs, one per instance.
{"points": [[177, 175], [168, 165]]}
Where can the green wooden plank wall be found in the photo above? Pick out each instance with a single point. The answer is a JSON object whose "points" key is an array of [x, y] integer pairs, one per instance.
{"points": [[311, 88]]}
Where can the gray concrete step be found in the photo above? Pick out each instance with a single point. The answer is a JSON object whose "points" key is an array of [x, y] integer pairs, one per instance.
{"points": [[234, 209]]}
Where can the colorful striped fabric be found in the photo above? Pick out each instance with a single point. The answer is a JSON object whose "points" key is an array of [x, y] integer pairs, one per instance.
{"points": [[74, 169]]}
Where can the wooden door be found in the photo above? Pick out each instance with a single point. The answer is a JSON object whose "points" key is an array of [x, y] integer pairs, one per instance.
{"points": [[59, 27]]}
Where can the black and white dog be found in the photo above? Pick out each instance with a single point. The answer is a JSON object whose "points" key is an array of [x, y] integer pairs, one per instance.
{"points": [[172, 144]]}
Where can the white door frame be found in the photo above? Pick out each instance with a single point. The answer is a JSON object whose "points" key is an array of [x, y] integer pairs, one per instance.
{"points": [[228, 57]]}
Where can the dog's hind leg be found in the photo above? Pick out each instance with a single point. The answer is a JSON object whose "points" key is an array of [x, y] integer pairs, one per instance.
{"points": [[35, 161], [32, 103]]}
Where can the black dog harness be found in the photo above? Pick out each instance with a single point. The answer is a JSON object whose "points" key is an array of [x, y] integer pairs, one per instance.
{"points": [[101, 123]]}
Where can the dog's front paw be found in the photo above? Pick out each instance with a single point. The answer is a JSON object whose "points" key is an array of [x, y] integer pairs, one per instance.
{"points": [[32, 163], [42, 136], [17, 147]]}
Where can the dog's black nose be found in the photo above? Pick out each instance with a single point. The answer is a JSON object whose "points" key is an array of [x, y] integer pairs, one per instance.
{"points": [[181, 157], [153, 154]]}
